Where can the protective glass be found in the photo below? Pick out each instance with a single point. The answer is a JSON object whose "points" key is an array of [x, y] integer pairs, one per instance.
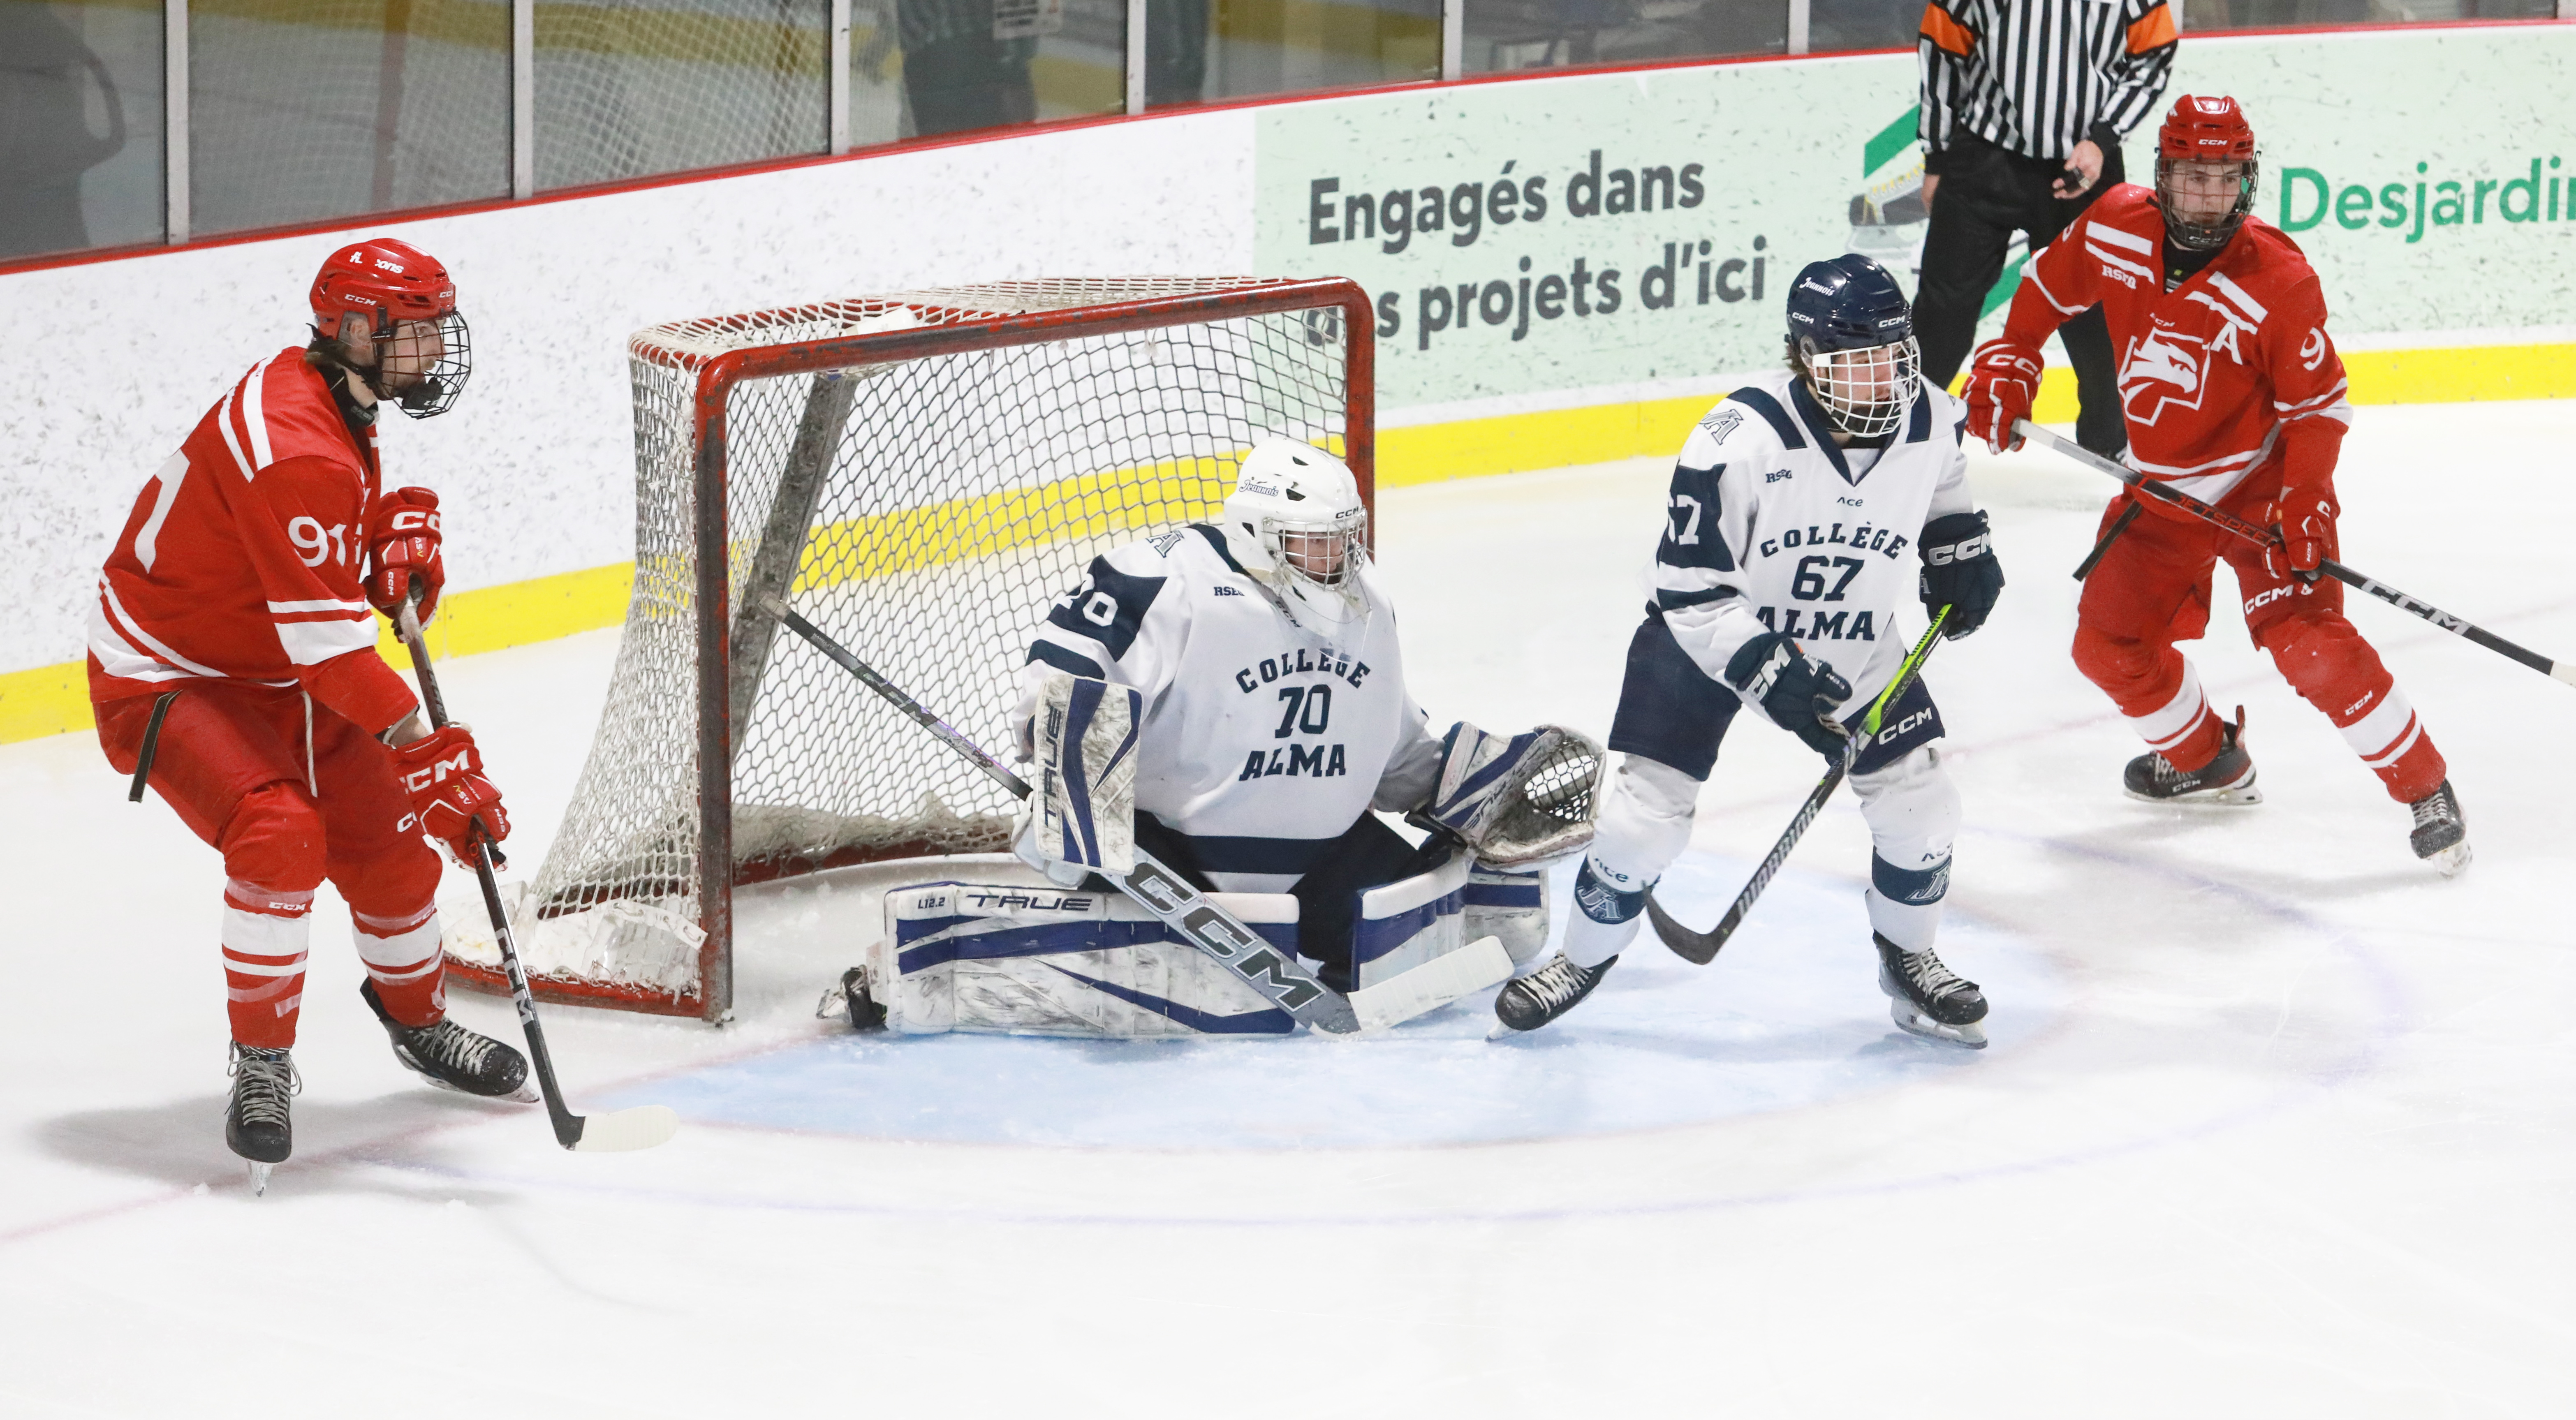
{"points": [[1866, 391]]}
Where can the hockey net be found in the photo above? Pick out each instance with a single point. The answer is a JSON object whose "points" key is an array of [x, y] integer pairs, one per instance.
{"points": [[921, 474]]}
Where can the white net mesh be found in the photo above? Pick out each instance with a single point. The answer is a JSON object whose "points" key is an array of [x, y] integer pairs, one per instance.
{"points": [[926, 514]]}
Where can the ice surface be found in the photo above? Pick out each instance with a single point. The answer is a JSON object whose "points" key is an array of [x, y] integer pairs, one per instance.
{"points": [[2275, 1122]]}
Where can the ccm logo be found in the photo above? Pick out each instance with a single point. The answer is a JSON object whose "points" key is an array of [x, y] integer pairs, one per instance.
{"points": [[1888, 735], [1968, 551], [2267, 597], [414, 520], [437, 770]]}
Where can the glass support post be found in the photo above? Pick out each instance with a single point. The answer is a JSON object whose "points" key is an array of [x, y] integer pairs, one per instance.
{"points": [[1453, 39], [523, 99], [1135, 56], [1798, 14], [839, 84], [174, 121]]}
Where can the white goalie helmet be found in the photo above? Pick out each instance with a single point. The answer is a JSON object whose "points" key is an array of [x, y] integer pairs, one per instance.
{"points": [[1296, 521]]}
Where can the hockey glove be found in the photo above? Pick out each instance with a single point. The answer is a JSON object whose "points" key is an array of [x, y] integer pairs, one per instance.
{"points": [[1960, 571], [451, 800], [405, 544], [2305, 521], [1793, 692], [2002, 381]]}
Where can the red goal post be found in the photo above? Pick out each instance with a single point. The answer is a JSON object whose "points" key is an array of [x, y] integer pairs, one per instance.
{"points": [[922, 472]]}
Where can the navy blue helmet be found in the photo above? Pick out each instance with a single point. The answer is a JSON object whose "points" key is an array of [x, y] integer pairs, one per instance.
{"points": [[1847, 303]]}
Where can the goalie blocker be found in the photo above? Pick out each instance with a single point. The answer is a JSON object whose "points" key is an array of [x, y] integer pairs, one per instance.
{"points": [[1402, 929]]}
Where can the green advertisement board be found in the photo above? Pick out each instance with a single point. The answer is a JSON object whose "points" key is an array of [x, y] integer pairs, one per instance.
{"points": [[1606, 232]]}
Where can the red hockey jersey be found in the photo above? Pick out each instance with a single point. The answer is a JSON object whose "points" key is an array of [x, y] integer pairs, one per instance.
{"points": [[2213, 373], [243, 556]]}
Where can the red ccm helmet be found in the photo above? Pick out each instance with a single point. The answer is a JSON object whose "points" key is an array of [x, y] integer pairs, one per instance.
{"points": [[423, 350], [2201, 132]]}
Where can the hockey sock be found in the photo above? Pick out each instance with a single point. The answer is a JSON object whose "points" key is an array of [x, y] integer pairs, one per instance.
{"points": [[1605, 918], [2182, 727], [1912, 810], [403, 959], [264, 936], [2330, 666], [1645, 823]]}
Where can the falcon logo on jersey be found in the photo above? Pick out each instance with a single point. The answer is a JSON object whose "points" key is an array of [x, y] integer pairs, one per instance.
{"points": [[2162, 371]]}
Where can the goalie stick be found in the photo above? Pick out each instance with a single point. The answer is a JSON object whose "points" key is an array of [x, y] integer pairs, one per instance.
{"points": [[2564, 671], [640, 1127], [1177, 904], [1700, 948]]}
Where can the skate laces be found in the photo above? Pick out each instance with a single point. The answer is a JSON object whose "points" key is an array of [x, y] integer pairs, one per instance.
{"points": [[454, 1046], [1931, 975], [1555, 984], [2434, 808], [265, 1080]]}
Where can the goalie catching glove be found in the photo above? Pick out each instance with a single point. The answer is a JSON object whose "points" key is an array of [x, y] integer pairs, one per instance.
{"points": [[1080, 816], [1516, 801]]}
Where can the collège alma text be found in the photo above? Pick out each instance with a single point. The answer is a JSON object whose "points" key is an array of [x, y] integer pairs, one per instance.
{"points": [[1467, 211]]}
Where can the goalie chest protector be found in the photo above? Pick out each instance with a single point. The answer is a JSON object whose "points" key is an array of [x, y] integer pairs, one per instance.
{"points": [[1266, 727]]}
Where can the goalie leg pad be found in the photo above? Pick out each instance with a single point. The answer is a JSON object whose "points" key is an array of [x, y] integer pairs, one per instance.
{"points": [[1913, 814], [1083, 813], [1015, 960], [1411, 950], [1510, 907], [1645, 825]]}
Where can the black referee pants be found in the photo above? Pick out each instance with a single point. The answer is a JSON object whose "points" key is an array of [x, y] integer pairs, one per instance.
{"points": [[1987, 194]]}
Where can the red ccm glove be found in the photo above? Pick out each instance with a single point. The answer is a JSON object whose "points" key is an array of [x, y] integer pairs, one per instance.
{"points": [[405, 544], [443, 773], [2305, 520], [2002, 380]]}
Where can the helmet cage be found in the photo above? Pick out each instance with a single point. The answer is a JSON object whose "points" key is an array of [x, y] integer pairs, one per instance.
{"points": [[1328, 553], [2210, 235], [1864, 391]]}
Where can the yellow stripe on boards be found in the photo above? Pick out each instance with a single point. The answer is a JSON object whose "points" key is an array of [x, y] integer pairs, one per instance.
{"points": [[52, 700]]}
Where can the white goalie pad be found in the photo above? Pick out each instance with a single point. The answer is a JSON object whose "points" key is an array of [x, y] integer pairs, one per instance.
{"points": [[1520, 801], [1018, 960], [1411, 952], [1083, 810], [1509, 906]]}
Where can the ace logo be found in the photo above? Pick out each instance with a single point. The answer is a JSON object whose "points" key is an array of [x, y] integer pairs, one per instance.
{"points": [[2162, 370]]}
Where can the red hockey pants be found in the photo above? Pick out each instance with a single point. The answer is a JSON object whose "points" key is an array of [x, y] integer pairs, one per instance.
{"points": [[2153, 589], [291, 794]]}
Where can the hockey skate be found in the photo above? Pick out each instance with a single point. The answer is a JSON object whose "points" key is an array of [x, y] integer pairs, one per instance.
{"points": [[453, 1058], [852, 1001], [2441, 834], [1545, 994], [1928, 998], [2227, 779], [257, 1122]]}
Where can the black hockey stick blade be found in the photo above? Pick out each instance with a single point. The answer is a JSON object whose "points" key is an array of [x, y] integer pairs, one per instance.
{"points": [[1700, 948], [2561, 671], [641, 1127]]}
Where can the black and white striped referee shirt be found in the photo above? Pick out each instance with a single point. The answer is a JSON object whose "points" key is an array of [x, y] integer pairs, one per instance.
{"points": [[2038, 76]]}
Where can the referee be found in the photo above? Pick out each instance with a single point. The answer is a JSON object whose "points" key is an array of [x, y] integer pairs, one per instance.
{"points": [[2024, 106]]}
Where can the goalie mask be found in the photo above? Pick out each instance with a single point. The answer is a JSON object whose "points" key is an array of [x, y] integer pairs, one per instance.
{"points": [[1295, 520], [1851, 334]]}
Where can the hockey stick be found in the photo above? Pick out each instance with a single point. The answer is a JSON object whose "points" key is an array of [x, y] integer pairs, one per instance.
{"points": [[1278, 977], [2263, 537], [1699, 948], [640, 1127]]}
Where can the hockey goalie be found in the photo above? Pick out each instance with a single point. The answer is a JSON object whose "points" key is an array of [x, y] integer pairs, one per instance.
{"points": [[1230, 699]]}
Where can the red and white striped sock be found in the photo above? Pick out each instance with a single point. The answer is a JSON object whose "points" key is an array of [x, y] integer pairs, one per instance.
{"points": [[2183, 729], [2390, 739], [402, 957], [264, 937]]}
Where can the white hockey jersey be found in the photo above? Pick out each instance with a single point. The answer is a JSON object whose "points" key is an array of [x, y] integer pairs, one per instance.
{"points": [[1267, 731], [1771, 527]]}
